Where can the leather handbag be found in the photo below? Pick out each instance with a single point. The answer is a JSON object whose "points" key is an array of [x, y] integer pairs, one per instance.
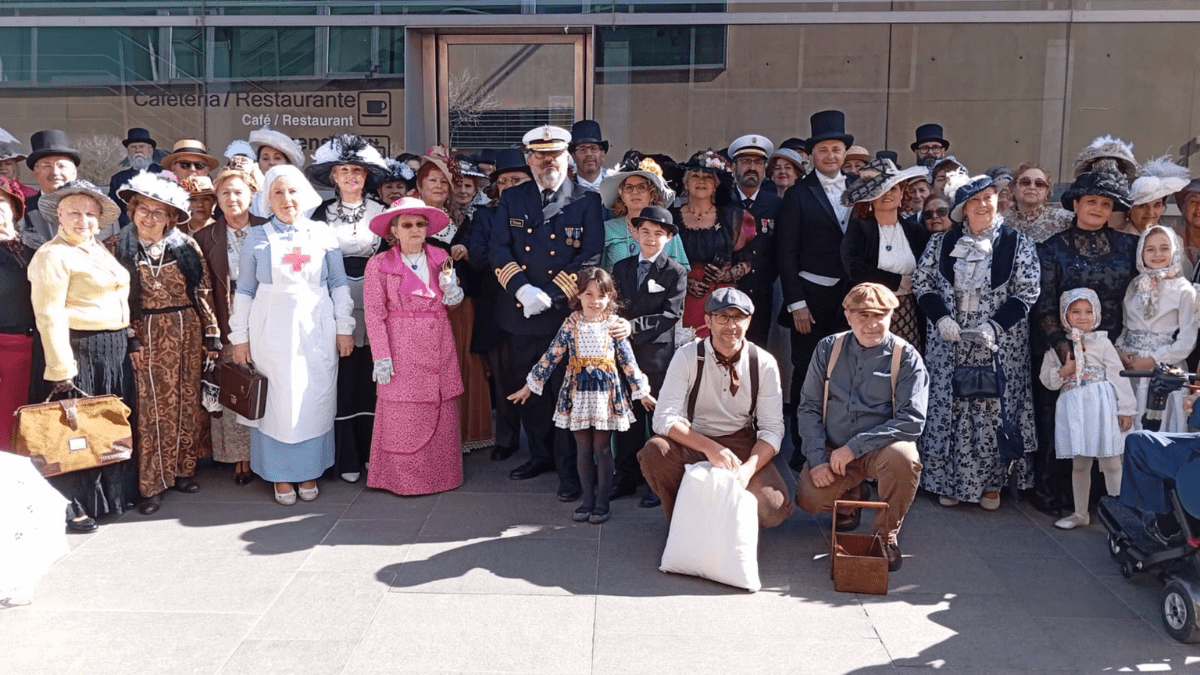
{"points": [[976, 381], [73, 434], [243, 390]]}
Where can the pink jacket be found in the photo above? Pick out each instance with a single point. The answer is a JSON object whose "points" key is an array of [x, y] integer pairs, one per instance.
{"points": [[407, 322]]}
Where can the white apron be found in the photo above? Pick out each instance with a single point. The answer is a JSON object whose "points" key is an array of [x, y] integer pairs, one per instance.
{"points": [[293, 336]]}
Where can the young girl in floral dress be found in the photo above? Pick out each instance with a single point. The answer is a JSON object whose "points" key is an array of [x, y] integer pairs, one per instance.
{"points": [[593, 401]]}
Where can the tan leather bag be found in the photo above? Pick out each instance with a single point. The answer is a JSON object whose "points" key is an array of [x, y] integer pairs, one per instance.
{"points": [[73, 434]]}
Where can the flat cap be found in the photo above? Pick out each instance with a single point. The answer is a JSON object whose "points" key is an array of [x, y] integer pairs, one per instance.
{"points": [[871, 297], [728, 298]]}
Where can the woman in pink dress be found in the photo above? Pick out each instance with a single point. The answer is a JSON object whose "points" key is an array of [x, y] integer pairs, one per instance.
{"points": [[416, 448]]}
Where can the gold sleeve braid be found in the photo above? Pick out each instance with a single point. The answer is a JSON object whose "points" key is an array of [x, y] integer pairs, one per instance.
{"points": [[506, 273], [568, 284]]}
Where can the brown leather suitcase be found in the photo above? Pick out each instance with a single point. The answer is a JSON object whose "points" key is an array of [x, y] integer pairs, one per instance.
{"points": [[73, 434], [243, 390]]}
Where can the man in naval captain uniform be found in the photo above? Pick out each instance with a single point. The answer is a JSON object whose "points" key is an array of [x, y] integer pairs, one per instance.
{"points": [[750, 154], [543, 232]]}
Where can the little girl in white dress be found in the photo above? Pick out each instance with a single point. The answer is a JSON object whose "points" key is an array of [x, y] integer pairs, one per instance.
{"points": [[1095, 405], [593, 401], [1161, 320]]}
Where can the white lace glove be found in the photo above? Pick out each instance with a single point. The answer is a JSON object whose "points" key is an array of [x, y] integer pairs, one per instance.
{"points": [[383, 371], [949, 329], [983, 335], [533, 299]]}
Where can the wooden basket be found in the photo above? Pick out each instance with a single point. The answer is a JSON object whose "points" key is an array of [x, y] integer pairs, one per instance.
{"points": [[858, 563]]}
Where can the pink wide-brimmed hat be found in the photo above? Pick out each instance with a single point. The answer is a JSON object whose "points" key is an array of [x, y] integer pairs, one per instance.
{"points": [[382, 223]]}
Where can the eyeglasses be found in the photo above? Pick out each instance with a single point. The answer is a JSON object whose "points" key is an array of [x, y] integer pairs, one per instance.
{"points": [[928, 148], [410, 225], [936, 213], [60, 164], [726, 319], [155, 216], [192, 166], [1029, 182], [635, 188], [507, 182], [589, 148]]}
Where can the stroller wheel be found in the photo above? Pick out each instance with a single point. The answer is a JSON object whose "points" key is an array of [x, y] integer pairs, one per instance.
{"points": [[1114, 546], [1127, 569], [1179, 612]]}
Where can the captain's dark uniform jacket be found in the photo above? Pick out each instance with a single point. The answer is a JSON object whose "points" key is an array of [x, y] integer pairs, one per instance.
{"points": [[545, 247], [760, 252]]}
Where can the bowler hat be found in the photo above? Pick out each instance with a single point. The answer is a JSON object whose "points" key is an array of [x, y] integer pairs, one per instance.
{"points": [[888, 155], [138, 135], [728, 298], [930, 132], [795, 144], [50, 142], [486, 156], [828, 125], [657, 215], [587, 131]]}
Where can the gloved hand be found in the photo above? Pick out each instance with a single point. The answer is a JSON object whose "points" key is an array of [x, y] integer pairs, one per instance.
{"points": [[533, 299], [447, 279], [983, 335], [383, 371], [949, 329]]}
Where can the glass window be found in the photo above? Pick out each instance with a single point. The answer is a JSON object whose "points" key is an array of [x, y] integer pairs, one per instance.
{"points": [[16, 52], [187, 45], [97, 55], [264, 52], [660, 47]]}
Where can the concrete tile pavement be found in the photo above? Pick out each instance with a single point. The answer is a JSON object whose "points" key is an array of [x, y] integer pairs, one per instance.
{"points": [[496, 578]]}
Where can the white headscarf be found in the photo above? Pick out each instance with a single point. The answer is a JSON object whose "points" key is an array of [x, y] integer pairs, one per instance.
{"points": [[1076, 336], [309, 199], [1148, 281]]}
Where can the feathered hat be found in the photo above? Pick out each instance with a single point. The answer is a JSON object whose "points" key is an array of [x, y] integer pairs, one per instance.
{"points": [[1104, 180], [1158, 179], [347, 149], [161, 187], [610, 187], [1110, 151]]}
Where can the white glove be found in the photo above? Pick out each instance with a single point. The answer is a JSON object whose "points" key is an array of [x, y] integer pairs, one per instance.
{"points": [[447, 278], [949, 329], [383, 371], [984, 335], [533, 299]]}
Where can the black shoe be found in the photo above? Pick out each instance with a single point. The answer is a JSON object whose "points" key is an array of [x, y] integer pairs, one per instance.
{"points": [[598, 516], [499, 453], [569, 493], [86, 525], [650, 500], [244, 478], [622, 488], [582, 514], [187, 485], [150, 505], [530, 469], [892, 551]]}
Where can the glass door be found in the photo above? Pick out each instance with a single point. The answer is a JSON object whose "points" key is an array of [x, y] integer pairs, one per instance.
{"points": [[494, 88]]}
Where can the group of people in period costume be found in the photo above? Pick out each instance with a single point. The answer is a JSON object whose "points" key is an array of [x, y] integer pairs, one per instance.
{"points": [[809, 315]]}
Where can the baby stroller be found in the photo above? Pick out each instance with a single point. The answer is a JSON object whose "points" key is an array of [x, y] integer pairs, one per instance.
{"points": [[1177, 566]]}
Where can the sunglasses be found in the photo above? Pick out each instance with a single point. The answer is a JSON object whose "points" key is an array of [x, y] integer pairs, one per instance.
{"points": [[410, 225], [1029, 182], [193, 166], [939, 213]]}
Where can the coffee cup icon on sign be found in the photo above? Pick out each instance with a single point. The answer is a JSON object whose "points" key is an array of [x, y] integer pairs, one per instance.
{"points": [[375, 108]]}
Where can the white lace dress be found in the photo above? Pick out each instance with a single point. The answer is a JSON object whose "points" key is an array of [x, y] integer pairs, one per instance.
{"points": [[1085, 422], [31, 528]]}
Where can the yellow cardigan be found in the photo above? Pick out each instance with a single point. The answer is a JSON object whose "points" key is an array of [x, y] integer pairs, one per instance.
{"points": [[75, 287]]}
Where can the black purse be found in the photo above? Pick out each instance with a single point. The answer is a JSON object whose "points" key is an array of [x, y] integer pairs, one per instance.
{"points": [[977, 381]]}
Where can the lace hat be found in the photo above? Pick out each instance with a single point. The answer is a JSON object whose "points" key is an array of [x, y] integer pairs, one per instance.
{"points": [[161, 187]]}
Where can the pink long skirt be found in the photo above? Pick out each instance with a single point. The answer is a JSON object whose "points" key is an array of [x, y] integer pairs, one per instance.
{"points": [[417, 448], [15, 355]]}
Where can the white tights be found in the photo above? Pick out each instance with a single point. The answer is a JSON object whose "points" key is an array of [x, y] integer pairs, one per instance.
{"points": [[1081, 479]]}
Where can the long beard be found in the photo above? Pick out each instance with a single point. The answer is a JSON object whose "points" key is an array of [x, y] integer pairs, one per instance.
{"points": [[139, 162]]}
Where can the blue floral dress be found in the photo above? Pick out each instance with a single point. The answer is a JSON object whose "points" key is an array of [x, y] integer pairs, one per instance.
{"points": [[592, 394]]}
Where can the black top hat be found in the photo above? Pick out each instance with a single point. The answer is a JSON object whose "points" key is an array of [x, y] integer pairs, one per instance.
{"points": [[509, 160], [930, 132], [50, 142], [828, 125], [139, 135], [657, 215], [586, 131], [795, 144], [888, 154], [486, 156]]}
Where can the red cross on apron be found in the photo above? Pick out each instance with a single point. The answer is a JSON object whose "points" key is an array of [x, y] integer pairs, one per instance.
{"points": [[296, 259]]}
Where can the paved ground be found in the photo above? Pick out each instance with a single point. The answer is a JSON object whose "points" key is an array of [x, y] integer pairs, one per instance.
{"points": [[495, 578]]}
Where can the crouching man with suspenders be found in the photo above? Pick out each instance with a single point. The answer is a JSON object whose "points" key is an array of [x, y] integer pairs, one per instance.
{"points": [[860, 414], [722, 402]]}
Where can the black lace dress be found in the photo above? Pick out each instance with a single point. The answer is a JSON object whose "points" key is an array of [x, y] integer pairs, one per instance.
{"points": [[709, 246]]}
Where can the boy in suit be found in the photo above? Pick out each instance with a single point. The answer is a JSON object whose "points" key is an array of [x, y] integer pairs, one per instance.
{"points": [[651, 287]]}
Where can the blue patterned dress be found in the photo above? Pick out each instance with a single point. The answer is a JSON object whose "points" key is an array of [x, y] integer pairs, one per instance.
{"points": [[592, 395]]}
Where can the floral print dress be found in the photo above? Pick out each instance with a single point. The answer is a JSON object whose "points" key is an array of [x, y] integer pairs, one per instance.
{"points": [[592, 395]]}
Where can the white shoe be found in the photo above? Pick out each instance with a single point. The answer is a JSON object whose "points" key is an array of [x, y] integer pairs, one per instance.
{"points": [[989, 503], [947, 501], [286, 498], [351, 476], [308, 494], [1073, 521]]}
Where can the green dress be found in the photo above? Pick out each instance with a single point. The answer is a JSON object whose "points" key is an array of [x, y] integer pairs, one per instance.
{"points": [[619, 245]]}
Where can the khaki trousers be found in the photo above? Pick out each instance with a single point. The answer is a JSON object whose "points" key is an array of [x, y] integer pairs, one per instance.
{"points": [[663, 462], [897, 467]]}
